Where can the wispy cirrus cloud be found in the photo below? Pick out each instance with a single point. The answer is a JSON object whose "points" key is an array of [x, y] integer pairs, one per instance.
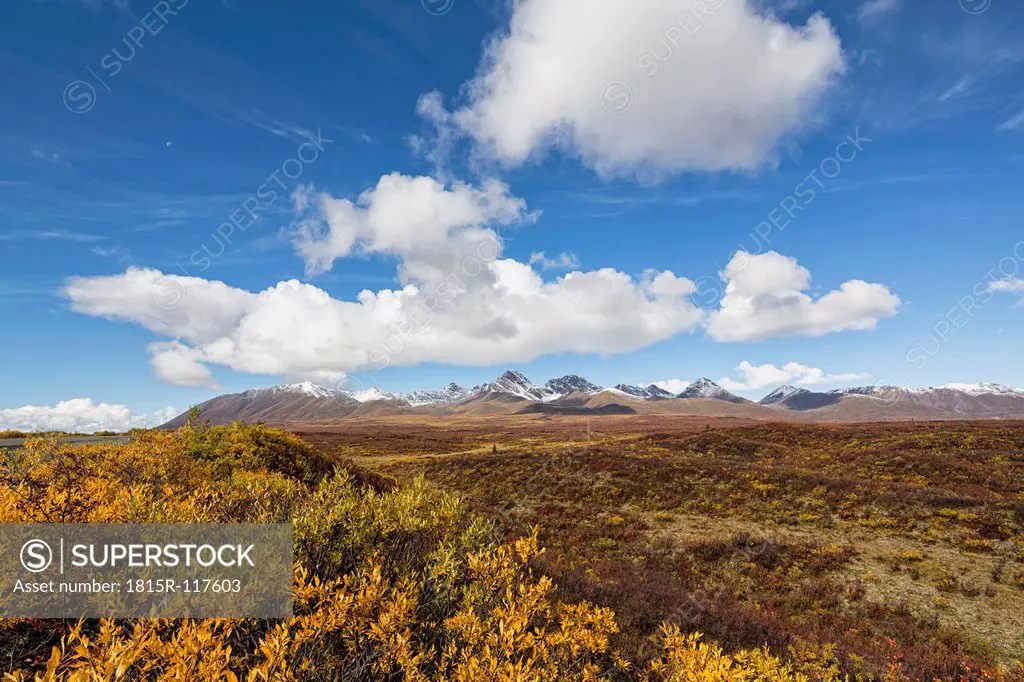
{"points": [[56, 235], [1014, 123], [97, 5], [287, 130], [959, 89], [24, 289], [872, 12]]}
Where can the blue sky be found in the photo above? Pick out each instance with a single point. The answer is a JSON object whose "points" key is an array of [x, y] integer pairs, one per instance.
{"points": [[119, 156]]}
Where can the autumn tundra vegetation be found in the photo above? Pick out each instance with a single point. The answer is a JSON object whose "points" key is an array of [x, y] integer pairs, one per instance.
{"points": [[543, 551]]}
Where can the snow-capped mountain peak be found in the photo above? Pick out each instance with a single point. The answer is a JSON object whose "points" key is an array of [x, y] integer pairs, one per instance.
{"points": [[572, 383], [983, 388], [780, 394], [702, 388], [370, 395], [657, 392], [632, 391], [706, 389], [515, 383], [452, 393], [865, 390], [304, 388], [314, 390], [976, 389], [641, 393]]}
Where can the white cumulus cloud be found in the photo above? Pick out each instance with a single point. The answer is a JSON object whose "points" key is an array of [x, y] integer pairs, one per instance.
{"points": [[80, 415], [297, 329], [162, 303], [415, 218], [672, 385], [662, 85], [762, 376], [176, 363], [459, 300], [765, 296]]}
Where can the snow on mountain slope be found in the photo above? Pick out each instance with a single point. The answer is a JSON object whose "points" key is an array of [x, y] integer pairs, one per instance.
{"points": [[572, 383], [641, 393], [516, 384], [307, 388], [705, 389], [983, 388], [795, 398], [658, 392], [305, 402], [975, 389], [780, 395], [371, 394], [630, 391], [452, 393], [981, 400], [627, 391]]}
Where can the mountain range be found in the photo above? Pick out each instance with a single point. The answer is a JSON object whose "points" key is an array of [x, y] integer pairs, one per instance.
{"points": [[513, 392]]}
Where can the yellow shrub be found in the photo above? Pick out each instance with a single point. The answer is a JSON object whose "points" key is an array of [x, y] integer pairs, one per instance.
{"points": [[401, 584], [687, 659]]}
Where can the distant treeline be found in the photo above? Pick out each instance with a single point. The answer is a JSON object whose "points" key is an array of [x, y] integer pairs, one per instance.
{"points": [[11, 433]]}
